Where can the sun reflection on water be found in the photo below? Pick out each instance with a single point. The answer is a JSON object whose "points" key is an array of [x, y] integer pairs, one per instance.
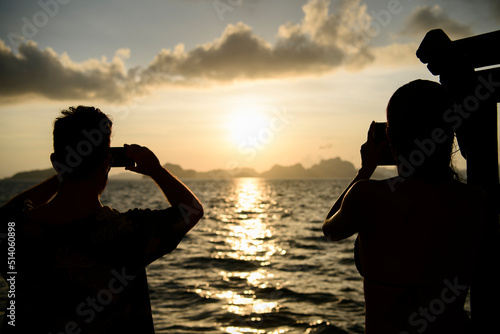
{"points": [[247, 236], [257, 278], [242, 330], [250, 238]]}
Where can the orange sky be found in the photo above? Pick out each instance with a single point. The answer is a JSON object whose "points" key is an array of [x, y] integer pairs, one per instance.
{"points": [[263, 83]]}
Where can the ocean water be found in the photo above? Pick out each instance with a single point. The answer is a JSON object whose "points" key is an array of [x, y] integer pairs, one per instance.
{"points": [[256, 263]]}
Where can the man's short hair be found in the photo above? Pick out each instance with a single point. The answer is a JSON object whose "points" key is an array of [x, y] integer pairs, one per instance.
{"points": [[81, 141]]}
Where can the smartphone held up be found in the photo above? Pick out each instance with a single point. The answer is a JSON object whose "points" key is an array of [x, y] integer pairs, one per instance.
{"points": [[119, 157], [386, 157]]}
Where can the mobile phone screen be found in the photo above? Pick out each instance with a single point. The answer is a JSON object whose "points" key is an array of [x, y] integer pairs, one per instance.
{"points": [[119, 158], [380, 135], [380, 132]]}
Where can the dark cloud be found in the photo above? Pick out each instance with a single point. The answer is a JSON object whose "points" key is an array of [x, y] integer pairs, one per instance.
{"points": [[426, 18], [46, 73], [322, 42]]}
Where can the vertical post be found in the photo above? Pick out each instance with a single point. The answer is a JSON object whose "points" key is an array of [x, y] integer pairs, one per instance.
{"points": [[476, 95], [482, 171]]}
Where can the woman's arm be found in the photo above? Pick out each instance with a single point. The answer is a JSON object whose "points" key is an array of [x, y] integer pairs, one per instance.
{"points": [[363, 174], [342, 220], [338, 225]]}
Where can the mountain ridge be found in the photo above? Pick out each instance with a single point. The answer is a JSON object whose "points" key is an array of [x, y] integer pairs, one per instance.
{"points": [[325, 169]]}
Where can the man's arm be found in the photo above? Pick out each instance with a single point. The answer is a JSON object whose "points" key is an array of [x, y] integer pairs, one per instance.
{"points": [[39, 194], [176, 192]]}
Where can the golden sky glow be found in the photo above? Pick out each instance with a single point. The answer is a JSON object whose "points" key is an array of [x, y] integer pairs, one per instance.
{"points": [[274, 82]]}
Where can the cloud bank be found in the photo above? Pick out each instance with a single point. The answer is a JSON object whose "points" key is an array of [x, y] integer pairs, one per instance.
{"points": [[317, 45], [321, 43], [46, 73]]}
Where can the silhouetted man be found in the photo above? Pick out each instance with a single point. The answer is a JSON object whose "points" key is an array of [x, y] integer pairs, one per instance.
{"points": [[79, 266]]}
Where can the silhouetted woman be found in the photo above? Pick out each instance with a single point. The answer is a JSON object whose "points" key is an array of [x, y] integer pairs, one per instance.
{"points": [[418, 233]]}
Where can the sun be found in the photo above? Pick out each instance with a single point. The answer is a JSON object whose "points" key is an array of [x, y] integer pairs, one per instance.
{"points": [[247, 124]]}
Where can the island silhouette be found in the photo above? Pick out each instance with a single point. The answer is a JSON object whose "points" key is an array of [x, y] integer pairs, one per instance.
{"points": [[325, 169]]}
